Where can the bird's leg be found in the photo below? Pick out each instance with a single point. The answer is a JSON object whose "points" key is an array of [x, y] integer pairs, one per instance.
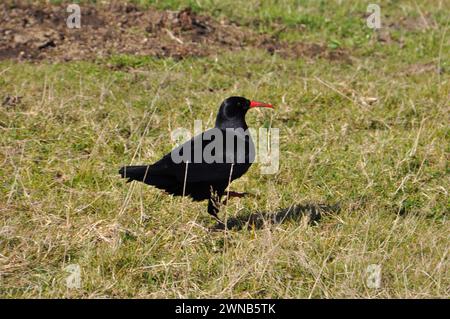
{"points": [[213, 209]]}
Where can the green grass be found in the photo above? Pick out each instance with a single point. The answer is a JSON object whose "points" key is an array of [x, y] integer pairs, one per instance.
{"points": [[385, 163]]}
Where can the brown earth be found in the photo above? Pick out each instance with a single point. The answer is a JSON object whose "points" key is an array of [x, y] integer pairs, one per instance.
{"points": [[39, 32]]}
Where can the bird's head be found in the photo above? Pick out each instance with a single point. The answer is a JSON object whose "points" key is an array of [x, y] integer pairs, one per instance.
{"points": [[233, 109]]}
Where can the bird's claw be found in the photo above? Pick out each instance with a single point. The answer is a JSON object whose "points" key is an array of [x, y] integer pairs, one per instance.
{"points": [[219, 221], [237, 194], [231, 194]]}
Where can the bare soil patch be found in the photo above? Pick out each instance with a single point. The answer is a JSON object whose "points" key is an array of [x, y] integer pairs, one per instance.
{"points": [[40, 32]]}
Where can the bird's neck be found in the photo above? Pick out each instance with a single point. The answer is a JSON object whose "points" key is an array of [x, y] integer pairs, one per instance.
{"points": [[223, 124]]}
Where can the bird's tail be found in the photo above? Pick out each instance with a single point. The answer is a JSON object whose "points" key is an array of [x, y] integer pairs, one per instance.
{"points": [[135, 173]]}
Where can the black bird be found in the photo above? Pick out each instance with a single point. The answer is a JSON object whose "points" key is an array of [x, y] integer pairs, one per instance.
{"points": [[203, 167]]}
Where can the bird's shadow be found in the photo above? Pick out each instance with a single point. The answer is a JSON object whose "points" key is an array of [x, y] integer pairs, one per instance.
{"points": [[258, 220]]}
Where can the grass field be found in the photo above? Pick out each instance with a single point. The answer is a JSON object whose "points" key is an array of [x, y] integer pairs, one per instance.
{"points": [[368, 134]]}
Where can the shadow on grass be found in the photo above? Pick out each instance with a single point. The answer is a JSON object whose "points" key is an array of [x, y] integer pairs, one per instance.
{"points": [[258, 220]]}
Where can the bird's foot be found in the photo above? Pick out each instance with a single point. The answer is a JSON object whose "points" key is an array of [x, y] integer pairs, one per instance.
{"points": [[220, 226], [231, 194], [237, 194], [219, 221]]}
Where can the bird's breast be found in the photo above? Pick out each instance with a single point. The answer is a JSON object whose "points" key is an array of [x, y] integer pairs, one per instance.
{"points": [[239, 147]]}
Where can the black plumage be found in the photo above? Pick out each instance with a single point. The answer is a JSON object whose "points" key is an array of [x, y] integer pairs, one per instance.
{"points": [[203, 167]]}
